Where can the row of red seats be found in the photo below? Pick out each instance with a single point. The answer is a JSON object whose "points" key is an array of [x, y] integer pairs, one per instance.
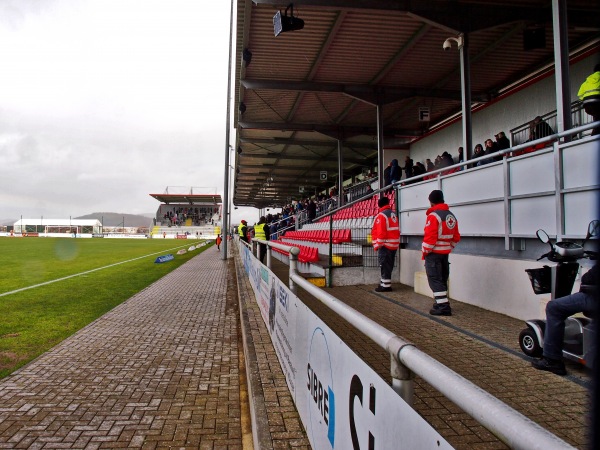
{"points": [[322, 236], [307, 254], [365, 208]]}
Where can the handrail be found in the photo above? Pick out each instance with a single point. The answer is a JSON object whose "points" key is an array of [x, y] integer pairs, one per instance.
{"points": [[397, 184], [510, 426]]}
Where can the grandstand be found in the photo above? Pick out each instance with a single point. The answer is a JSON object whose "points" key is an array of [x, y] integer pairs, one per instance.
{"points": [[184, 213], [285, 153]]}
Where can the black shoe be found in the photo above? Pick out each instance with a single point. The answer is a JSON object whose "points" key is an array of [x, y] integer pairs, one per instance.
{"points": [[550, 365], [441, 309], [383, 289]]}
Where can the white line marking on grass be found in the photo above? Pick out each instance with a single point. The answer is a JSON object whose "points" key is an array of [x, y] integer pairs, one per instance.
{"points": [[87, 271]]}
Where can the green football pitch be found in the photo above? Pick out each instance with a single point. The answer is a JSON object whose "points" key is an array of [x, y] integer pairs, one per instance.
{"points": [[52, 287]]}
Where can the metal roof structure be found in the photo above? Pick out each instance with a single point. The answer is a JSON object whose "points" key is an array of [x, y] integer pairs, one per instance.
{"points": [[190, 199], [301, 93]]}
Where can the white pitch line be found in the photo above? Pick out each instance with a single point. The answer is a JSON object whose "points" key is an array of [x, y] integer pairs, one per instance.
{"points": [[86, 272]]}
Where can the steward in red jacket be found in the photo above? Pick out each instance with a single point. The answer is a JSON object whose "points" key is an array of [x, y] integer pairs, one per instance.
{"points": [[385, 236], [439, 238]]}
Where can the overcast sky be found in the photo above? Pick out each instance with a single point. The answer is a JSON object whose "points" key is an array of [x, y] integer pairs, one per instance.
{"points": [[103, 102]]}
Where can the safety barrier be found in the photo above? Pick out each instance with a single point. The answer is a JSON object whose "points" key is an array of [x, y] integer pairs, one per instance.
{"points": [[510, 426]]}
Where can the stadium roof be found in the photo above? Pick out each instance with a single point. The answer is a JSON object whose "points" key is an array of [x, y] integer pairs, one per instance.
{"points": [[190, 199], [301, 92]]}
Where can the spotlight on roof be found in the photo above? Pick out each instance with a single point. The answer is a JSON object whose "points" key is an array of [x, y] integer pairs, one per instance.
{"points": [[247, 56], [285, 23]]}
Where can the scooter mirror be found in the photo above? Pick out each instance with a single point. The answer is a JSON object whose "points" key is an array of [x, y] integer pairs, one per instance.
{"points": [[593, 229], [542, 236]]}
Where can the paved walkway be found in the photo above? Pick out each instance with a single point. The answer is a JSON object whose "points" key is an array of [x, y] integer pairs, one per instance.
{"points": [[159, 371]]}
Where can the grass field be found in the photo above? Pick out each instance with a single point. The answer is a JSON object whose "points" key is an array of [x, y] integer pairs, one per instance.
{"points": [[35, 318]]}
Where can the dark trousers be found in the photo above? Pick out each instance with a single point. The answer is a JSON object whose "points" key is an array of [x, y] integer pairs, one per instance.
{"points": [[592, 107], [437, 268], [262, 251], [386, 258], [557, 312]]}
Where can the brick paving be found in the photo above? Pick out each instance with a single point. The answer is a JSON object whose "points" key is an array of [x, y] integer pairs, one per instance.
{"points": [[159, 371], [480, 345], [278, 425]]}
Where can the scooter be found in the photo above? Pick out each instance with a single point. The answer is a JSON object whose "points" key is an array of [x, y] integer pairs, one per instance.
{"points": [[558, 281]]}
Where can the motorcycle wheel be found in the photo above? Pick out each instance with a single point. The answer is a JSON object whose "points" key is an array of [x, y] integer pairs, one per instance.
{"points": [[529, 343]]}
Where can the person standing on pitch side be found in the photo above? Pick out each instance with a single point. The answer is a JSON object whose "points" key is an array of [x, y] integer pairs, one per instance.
{"points": [[385, 235], [440, 237], [261, 233], [243, 231]]}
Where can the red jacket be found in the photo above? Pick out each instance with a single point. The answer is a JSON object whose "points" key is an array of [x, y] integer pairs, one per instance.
{"points": [[441, 230], [386, 229]]}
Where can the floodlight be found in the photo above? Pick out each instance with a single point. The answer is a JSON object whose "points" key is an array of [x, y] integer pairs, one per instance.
{"points": [[285, 23]]}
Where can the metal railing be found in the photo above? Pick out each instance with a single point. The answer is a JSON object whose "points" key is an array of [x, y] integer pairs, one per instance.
{"points": [[510, 426], [579, 117]]}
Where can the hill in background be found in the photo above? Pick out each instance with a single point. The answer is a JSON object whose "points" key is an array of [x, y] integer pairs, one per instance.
{"points": [[109, 219]]}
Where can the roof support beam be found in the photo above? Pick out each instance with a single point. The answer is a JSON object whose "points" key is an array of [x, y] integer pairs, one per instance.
{"points": [[301, 158], [370, 93], [325, 129], [306, 142]]}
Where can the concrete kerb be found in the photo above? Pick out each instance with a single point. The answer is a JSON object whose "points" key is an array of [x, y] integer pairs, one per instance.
{"points": [[258, 410]]}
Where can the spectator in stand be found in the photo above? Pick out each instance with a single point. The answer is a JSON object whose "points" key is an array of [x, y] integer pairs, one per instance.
{"points": [[477, 152], [430, 165], [447, 160], [273, 231], [589, 94], [538, 129], [395, 172], [460, 158], [490, 149], [502, 142], [386, 174], [408, 166], [312, 210], [419, 169]]}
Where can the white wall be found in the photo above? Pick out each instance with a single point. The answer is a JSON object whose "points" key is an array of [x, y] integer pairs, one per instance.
{"points": [[510, 112], [499, 285]]}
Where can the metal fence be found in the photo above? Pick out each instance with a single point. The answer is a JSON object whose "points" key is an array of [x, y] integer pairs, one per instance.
{"points": [[510, 426], [579, 117]]}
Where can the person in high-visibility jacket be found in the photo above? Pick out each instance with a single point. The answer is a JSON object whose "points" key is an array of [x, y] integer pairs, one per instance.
{"points": [[439, 239], [243, 231], [385, 235], [261, 232], [589, 94]]}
